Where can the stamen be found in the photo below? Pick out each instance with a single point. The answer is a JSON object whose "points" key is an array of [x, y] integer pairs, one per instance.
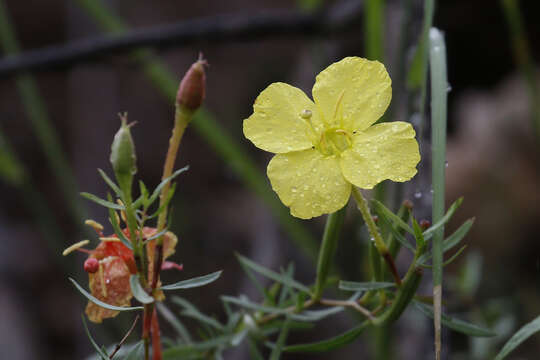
{"points": [[95, 225], [338, 104], [75, 246], [109, 238], [122, 213], [347, 135]]}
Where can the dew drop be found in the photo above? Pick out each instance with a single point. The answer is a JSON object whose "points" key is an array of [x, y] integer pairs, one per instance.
{"points": [[446, 163], [294, 189], [418, 194]]}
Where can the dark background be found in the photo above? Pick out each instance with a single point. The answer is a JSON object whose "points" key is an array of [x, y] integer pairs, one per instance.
{"points": [[492, 161]]}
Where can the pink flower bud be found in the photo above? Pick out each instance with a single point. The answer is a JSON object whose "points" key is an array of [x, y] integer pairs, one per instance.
{"points": [[91, 265], [192, 87]]}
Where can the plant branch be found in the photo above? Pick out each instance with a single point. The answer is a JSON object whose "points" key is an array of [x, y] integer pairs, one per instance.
{"points": [[119, 345]]}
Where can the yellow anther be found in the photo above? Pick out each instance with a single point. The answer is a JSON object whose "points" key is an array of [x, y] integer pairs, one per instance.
{"points": [[75, 246], [94, 225], [122, 213], [109, 238]]}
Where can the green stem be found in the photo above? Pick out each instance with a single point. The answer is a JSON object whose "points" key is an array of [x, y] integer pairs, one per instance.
{"points": [[208, 128], [439, 92], [379, 243], [330, 238], [429, 10], [182, 118]]}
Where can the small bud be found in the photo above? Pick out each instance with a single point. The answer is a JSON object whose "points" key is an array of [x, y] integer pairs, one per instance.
{"points": [[375, 219], [424, 224], [91, 265], [192, 87], [123, 154], [408, 204]]}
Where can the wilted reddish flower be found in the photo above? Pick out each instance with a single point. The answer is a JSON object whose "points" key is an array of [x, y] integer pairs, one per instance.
{"points": [[110, 283]]}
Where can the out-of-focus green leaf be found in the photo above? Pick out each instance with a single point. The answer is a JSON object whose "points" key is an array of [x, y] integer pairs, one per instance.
{"points": [[174, 321], [456, 324], [191, 311], [136, 352], [520, 336], [364, 286], [330, 344], [194, 282], [116, 227], [101, 303], [278, 348], [138, 291], [272, 275], [100, 352]]}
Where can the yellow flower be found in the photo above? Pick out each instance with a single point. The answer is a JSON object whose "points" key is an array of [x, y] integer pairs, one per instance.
{"points": [[324, 146]]}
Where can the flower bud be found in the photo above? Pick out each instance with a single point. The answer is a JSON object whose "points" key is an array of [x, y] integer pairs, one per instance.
{"points": [[192, 87], [91, 265], [424, 224], [123, 154]]}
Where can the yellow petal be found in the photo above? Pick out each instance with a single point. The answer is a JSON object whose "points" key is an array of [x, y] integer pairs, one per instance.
{"points": [[276, 124], [309, 183], [352, 93], [384, 151]]}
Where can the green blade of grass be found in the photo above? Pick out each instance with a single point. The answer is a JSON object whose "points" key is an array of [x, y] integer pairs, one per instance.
{"points": [[439, 92]]}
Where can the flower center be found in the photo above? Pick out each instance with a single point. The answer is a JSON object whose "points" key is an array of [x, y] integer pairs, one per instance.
{"points": [[334, 141]]}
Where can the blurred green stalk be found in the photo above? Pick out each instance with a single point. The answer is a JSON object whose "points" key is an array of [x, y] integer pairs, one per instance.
{"points": [[523, 58], [439, 93], [37, 114], [209, 129]]}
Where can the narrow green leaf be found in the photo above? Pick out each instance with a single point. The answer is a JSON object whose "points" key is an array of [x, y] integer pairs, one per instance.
{"points": [[452, 240], [278, 348], [179, 352], [364, 286], [191, 311], [254, 352], [520, 336], [316, 315], [420, 242], [383, 210], [138, 291], [168, 199], [102, 202], [156, 235], [330, 344], [395, 232], [449, 261], [429, 232], [135, 353], [272, 275], [174, 321], [157, 191], [111, 183], [454, 323], [244, 302], [116, 227], [286, 289], [194, 282], [101, 303], [101, 353], [144, 193]]}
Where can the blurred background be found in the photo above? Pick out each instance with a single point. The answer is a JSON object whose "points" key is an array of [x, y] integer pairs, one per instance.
{"points": [[58, 117]]}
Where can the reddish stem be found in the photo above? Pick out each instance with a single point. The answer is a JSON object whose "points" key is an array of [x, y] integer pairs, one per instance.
{"points": [[156, 337]]}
